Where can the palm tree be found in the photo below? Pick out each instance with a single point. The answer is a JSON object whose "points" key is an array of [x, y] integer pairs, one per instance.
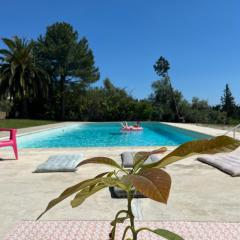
{"points": [[21, 76]]}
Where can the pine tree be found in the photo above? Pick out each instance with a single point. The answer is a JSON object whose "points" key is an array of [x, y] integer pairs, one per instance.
{"points": [[69, 60], [161, 68], [228, 104]]}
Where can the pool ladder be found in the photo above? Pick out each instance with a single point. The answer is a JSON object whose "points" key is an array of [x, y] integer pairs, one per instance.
{"points": [[234, 129]]}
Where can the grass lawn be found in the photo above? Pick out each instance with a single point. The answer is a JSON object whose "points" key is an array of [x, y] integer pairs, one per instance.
{"points": [[23, 123]]}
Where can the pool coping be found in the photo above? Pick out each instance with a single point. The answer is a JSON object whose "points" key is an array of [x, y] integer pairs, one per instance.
{"points": [[42, 128], [199, 129]]}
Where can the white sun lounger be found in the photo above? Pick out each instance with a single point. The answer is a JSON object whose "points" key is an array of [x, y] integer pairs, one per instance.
{"points": [[226, 162]]}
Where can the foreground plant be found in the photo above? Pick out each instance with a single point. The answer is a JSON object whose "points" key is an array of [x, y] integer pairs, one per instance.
{"points": [[148, 179]]}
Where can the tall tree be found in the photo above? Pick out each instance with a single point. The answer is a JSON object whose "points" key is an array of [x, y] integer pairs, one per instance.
{"points": [[161, 68], [162, 100], [108, 84], [21, 76], [69, 59], [228, 104]]}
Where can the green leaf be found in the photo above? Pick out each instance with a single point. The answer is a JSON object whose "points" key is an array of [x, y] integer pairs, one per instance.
{"points": [[212, 146], [167, 234], [70, 191], [85, 193], [5, 52], [90, 190], [112, 182], [91, 183], [10, 43], [103, 174], [101, 160], [108, 174], [143, 156], [153, 183]]}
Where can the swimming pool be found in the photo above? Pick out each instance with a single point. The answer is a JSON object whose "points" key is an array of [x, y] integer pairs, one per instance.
{"points": [[108, 135]]}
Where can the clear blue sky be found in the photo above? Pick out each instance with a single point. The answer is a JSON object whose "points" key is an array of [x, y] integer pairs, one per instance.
{"points": [[201, 39]]}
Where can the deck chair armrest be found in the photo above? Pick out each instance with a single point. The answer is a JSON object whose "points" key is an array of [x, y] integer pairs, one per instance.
{"points": [[5, 130]]}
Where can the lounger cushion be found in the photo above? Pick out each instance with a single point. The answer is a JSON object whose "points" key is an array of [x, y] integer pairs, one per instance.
{"points": [[60, 163], [227, 162], [127, 159]]}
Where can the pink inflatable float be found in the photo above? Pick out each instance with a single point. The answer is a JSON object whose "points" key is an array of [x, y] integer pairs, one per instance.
{"points": [[132, 128], [127, 128]]}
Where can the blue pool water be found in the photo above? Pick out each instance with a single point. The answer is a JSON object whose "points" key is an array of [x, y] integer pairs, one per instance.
{"points": [[107, 135]]}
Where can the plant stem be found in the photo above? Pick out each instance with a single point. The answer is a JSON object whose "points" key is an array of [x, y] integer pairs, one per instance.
{"points": [[131, 216], [125, 232], [113, 232]]}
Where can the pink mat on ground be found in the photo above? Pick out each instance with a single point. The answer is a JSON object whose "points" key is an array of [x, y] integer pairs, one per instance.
{"points": [[98, 230]]}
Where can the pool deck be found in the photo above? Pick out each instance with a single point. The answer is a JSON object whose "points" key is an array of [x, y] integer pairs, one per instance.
{"points": [[199, 192], [206, 130]]}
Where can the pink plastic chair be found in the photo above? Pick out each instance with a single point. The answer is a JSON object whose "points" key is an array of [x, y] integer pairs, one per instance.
{"points": [[12, 142]]}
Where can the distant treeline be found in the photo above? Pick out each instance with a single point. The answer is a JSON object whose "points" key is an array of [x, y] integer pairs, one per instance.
{"points": [[51, 77]]}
